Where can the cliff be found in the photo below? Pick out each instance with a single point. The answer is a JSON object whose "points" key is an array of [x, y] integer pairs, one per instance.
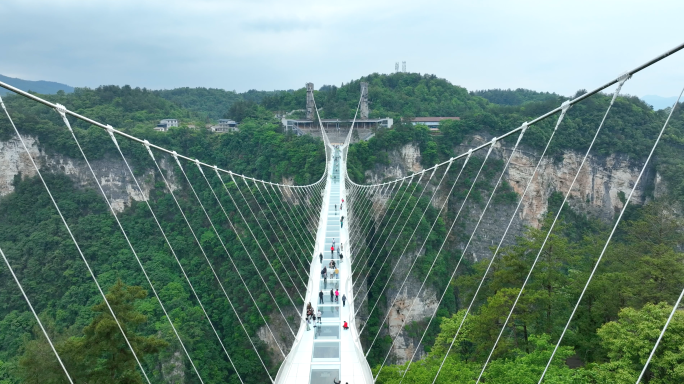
{"points": [[599, 191], [112, 173]]}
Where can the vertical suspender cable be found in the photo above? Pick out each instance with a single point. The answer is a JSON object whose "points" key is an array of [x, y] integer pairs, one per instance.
{"points": [[218, 280], [40, 324], [603, 251], [173, 252], [73, 238], [62, 111], [584, 159], [218, 236]]}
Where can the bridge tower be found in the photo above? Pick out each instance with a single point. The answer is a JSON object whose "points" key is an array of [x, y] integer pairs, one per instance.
{"points": [[364, 100], [309, 101]]}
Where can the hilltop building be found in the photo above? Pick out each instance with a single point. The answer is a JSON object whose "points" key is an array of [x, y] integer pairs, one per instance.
{"points": [[165, 124], [225, 125], [298, 125], [432, 122]]}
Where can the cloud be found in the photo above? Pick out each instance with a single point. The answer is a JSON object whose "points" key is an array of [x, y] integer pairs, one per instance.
{"points": [[269, 44]]}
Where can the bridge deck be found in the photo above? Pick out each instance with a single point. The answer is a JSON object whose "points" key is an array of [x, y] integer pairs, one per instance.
{"points": [[327, 351]]}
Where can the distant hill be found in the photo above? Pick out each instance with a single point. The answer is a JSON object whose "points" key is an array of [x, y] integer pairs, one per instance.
{"points": [[659, 102], [211, 103], [40, 86], [513, 97]]}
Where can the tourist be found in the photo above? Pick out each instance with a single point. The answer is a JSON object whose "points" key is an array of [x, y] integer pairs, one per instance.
{"points": [[320, 296], [344, 299]]}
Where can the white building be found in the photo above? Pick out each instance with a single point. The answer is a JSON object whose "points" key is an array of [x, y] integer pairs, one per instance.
{"points": [[225, 125], [165, 124], [432, 122], [169, 122]]}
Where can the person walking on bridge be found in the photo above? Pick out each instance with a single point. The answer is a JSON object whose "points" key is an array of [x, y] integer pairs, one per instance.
{"points": [[344, 299], [321, 257], [332, 251], [341, 223], [332, 295], [320, 297]]}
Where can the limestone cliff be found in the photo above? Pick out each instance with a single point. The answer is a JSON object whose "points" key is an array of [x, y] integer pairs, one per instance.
{"points": [[112, 173], [599, 191]]}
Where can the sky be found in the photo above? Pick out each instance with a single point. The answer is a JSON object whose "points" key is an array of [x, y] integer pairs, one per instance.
{"points": [[554, 46]]}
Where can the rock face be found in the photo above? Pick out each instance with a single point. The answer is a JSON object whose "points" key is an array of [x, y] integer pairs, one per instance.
{"points": [[116, 180], [599, 191]]}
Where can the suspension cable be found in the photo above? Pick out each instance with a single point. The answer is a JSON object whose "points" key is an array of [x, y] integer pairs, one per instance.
{"points": [[491, 196], [61, 110], [297, 219], [458, 214], [73, 238], [605, 246], [230, 222], [584, 159], [359, 232], [218, 236], [529, 183], [40, 324], [364, 245], [408, 185], [392, 247], [173, 252], [417, 255], [218, 280], [275, 252], [282, 230], [279, 209], [404, 252]]}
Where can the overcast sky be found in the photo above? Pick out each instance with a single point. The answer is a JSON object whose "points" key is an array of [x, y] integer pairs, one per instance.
{"points": [[557, 46]]}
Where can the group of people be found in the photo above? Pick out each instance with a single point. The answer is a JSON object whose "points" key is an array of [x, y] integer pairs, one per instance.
{"points": [[334, 297], [332, 249], [312, 314]]}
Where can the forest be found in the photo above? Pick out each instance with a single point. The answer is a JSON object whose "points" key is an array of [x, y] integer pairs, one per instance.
{"points": [[613, 330]]}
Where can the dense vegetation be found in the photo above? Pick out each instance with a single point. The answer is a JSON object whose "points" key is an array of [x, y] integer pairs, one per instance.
{"points": [[632, 286], [513, 97], [632, 290], [612, 332], [48, 265], [210, 103]]}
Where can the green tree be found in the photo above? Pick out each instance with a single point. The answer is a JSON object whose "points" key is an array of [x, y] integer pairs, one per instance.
{"points": [[101, 355], [629, 340]]}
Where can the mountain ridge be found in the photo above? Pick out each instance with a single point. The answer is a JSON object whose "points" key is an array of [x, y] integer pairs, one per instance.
{"points": [[40, 86]]}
